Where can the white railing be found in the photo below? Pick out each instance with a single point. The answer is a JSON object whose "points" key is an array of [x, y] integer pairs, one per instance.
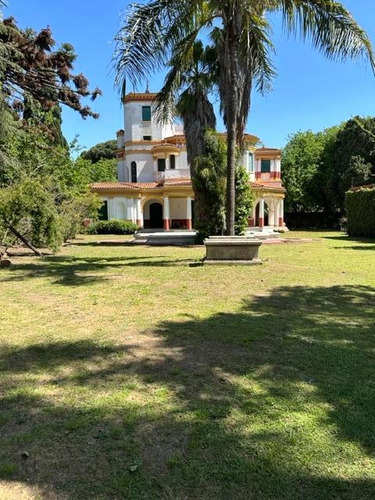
{"points": [[182, 173]]}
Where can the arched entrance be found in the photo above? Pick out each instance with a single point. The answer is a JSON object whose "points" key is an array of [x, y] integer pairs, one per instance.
{"points": [[156, 216]]}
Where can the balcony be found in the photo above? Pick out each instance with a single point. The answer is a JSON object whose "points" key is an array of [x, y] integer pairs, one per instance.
{"points": [[181, 173]]}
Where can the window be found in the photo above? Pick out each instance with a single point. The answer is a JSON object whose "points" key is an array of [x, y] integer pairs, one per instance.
{"points": [[146, 113], [161, 164], [134, 172], [172, 162], [251, 162], [147, 138], [103, 211], [265, 166]]}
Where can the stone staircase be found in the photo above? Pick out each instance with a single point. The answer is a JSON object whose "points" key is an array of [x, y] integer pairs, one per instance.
{"points": [[265, 233], [160, 237], [179, 237]]}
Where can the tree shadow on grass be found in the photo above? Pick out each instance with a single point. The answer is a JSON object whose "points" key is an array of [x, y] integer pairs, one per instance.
{"points": [[344, 238], [358, 247], [276, 401], [70, 271]]}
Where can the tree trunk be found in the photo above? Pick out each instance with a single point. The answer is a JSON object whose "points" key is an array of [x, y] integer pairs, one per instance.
{"points": [[232, 109], [24, 240]]}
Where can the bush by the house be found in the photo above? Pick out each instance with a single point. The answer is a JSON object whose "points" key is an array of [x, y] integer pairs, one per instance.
{"points": [[360, 206], [112, 227]]}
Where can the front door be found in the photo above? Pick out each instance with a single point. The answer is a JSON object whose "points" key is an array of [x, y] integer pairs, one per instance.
{"points": [[156, 216]]}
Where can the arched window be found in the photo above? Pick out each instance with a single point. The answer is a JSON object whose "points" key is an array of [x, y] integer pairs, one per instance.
{"points": [[134, 172]]}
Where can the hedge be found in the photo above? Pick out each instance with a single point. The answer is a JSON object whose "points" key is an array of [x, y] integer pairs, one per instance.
{"points": [[112, 227], [360, 207]]}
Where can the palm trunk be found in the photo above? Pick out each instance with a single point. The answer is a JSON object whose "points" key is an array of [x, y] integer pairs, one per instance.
{"points": [[232, 109]]}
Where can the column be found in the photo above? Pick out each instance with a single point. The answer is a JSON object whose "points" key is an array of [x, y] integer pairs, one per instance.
{"points": [[258, 168], [281, 213], [166, 213], [134, 210], [278, 161], [276, 213], [139, 213], [273, 173], [110, 206], [261, 213], [189, 224]]}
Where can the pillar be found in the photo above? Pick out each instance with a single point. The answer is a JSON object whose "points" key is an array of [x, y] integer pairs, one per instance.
{"points": [[261, 213], [258, 168], [189, 223], [139, 213], [133, 210], [166, 213], [111, 209], [281, 213], [275, 221]]}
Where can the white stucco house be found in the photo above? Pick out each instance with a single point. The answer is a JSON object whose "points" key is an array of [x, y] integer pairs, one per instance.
{"points": [[154, 186]]}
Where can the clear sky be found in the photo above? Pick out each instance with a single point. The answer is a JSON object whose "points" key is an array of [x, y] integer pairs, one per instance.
{"points": [[309, 92]]}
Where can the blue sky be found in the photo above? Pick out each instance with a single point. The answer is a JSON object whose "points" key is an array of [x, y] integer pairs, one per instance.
{"points": [[309, 92]]}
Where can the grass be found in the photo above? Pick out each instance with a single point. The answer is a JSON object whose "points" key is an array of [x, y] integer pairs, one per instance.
{"points": [[127, 374]]}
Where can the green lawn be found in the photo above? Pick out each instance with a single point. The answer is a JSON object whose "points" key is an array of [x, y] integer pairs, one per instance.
{"points": [[125, 373]]}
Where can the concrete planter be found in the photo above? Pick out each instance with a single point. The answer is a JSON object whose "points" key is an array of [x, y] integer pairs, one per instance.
{"points": [[237, 250]]}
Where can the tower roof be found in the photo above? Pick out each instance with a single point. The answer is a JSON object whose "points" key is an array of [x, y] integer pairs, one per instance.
{"points": [[136, 96]]}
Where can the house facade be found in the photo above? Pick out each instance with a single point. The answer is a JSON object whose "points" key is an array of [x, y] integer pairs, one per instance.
{"points": [[154, 187]]}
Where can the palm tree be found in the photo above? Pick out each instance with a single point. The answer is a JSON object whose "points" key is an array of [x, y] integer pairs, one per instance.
{"points": [[185, 94], [154, 30]]}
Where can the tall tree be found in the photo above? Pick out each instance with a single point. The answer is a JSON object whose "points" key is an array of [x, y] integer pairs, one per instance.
{"points": [[353, 158], [152, 30], [30, 69], [304, 173], [42, 199], [185, 94]]}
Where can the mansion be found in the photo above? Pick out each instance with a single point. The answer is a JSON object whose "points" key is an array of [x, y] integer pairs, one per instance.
{"points": [[154, 187]]}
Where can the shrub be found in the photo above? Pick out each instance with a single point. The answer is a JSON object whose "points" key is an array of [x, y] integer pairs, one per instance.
{"points": [[113, 227], [209, 184], [360, 206], [244, 201]]}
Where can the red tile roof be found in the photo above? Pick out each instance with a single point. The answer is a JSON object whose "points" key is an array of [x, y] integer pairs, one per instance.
{"points": [[183, 182], [125, 185]]}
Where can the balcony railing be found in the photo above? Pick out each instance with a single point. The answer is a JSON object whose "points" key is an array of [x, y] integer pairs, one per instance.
{"points": [[182, 173]]}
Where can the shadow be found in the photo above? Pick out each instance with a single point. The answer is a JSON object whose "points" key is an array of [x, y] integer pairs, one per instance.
{"points": [[100, 243], [276, 401], [358, 247], [344, 237], [69, 271]]}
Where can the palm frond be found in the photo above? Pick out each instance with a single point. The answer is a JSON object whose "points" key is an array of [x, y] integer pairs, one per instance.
{"points": [[144, 43], [182, 60], [330, 27]]}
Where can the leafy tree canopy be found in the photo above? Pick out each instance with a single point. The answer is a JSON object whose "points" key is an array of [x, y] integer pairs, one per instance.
{"points": [[301, 167], [353, 159], [319, 168], [31, 67], [101, 151]]}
